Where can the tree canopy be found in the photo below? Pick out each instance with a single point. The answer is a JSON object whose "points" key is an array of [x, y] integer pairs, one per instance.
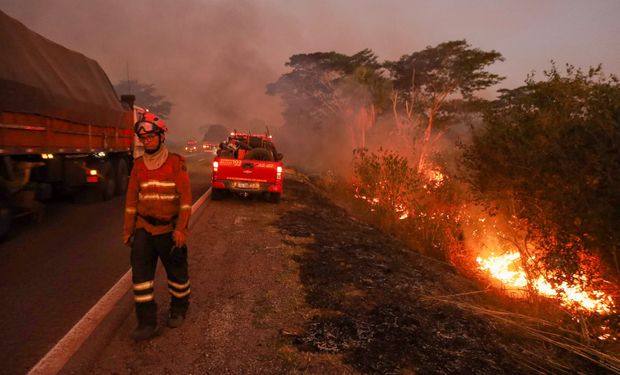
{"points": [[445, 69], [313, 88], [214, 133]]}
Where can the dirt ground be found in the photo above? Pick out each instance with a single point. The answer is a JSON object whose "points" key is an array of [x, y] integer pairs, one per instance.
{"points": [[303, 287]]}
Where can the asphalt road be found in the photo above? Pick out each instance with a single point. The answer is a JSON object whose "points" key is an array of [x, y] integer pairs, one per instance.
{"points": [[53, 272]]}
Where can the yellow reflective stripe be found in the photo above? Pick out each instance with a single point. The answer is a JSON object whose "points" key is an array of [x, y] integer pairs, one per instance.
{"points": [[157, 197], [186, 206], [130, 210], [158, 183], [177, 285], [144, 298], [143, 286], [177, 294]]}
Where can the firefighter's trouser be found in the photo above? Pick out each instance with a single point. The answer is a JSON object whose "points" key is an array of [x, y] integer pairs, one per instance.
{"points": [[146, 249]]}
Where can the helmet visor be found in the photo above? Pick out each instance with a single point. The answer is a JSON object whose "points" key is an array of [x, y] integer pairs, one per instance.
{"points": [[146, 127]]}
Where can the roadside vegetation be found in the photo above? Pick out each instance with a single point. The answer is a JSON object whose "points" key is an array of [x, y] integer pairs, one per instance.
{"points": [[520, 193]]}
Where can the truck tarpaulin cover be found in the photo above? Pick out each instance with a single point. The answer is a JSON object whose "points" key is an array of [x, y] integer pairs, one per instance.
{"points": [[38, 76]]}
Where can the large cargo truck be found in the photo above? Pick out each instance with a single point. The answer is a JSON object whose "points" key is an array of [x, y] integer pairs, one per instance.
{"points": [[62, 125]]}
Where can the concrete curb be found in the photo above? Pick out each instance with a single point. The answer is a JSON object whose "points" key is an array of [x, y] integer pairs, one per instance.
{"points": [[54, 361]]}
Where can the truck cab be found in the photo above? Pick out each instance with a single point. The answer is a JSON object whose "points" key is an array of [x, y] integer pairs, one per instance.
{"points": [[248, 164]]}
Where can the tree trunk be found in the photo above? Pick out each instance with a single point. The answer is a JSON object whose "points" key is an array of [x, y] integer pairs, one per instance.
{"points": [[397, 121], [425, 142]]}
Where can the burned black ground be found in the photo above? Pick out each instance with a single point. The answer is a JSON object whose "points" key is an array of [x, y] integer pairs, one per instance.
{"points": [[369, 297]]}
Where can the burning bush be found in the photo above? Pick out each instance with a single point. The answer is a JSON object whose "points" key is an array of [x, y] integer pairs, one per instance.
{"points": [[548, 158], [531, 237], [408, 201]]}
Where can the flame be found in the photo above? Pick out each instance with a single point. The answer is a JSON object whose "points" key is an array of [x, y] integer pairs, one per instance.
{"points": [[502, 269], [398, 208], [435, 177], [507, 269]]}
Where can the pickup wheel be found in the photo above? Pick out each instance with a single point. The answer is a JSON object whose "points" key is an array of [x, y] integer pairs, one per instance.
{"points": [[107, 183], [122, 177], [274, 197], [217, 194]]}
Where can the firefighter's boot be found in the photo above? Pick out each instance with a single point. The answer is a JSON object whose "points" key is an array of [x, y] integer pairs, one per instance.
{"points": [[178, 308], [142, 333], [175, 319], [146, 312]]}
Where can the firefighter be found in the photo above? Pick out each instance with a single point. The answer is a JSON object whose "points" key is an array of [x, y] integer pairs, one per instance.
{"points": [[157, 211]]}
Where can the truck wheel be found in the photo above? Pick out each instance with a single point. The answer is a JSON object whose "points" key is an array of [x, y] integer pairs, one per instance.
{"points": [[259, 154], [217, 194], [107, 185], [122, 177], [274, 197]]}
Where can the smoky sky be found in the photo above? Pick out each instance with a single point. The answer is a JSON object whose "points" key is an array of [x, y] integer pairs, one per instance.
{"points": [[212, 59]]}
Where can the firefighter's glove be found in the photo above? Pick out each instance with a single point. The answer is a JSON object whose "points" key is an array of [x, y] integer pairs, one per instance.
{"points": [[179, 238]]}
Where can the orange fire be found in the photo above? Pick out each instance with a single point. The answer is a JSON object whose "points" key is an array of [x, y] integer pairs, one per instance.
{"points": [[435, 178], [507, 269], [398, 208]]}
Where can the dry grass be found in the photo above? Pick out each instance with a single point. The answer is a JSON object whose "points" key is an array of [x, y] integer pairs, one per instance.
{"points": [[541, 330]]}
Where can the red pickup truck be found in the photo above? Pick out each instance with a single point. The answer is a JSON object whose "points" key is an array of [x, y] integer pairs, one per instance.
{"points": [[247, 164]]}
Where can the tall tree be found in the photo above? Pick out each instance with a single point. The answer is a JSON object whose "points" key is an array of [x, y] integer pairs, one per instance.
{"points": [[146, 96], [425, 82], [330, 87], [214, 132]]}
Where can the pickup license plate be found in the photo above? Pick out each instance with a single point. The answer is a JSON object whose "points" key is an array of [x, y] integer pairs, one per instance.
{"points": [[247, 185]]}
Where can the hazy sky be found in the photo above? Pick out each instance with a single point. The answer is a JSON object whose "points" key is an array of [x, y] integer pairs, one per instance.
{"points": [[212, 59]]}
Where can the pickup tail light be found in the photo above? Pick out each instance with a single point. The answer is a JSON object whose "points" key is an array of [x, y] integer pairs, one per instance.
{"points": [[216, 165], [279, 173], [92, 176]]}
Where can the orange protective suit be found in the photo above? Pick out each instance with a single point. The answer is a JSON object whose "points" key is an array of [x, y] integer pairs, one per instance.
{"points": [[159, 200]]}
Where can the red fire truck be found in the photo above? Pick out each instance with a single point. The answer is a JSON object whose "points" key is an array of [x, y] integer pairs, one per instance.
{"points": [[248, 164]]}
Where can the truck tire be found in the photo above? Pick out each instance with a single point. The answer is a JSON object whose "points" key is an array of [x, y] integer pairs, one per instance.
{"points": [[107, 183], [274, 197], [122, 177], [259, 154], [217, 194]]}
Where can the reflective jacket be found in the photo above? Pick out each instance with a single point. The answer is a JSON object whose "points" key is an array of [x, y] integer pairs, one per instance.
{"points": [[158, 200]]}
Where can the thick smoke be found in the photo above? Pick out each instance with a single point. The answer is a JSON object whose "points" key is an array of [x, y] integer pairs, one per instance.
{"points": [[207, 58], [213, 58]]}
